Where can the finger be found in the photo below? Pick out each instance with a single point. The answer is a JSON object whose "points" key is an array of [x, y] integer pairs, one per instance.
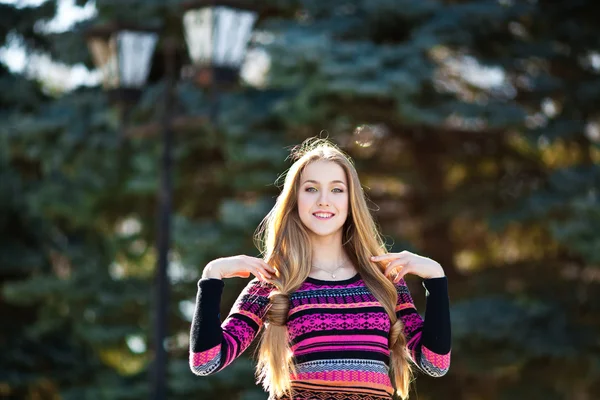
{"points": [[390, 267], [395, 265], [383, 257], [258, 267], [268, 267], [394, 272], [403, 273], [258, 275], [389, 256], [406, 269], [264, 273], [263, 265], [265, 270]]}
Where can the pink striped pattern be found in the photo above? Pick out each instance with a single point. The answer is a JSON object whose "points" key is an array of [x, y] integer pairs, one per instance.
{"points": [[345, 376], [338, 334], [441, 361], [204, 357]]}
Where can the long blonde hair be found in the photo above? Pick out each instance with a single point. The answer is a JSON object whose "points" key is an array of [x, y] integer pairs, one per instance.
{"points": [[285, 245]]}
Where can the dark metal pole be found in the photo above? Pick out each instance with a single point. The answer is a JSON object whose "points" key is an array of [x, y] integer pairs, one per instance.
{"points": [[158, 378], [213, 98]]}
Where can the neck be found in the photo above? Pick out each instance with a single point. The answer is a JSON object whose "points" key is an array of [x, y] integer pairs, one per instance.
{"points": [[328, 253]]}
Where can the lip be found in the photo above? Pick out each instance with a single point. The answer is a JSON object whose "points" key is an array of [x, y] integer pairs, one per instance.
{"points": [[323, 212]]}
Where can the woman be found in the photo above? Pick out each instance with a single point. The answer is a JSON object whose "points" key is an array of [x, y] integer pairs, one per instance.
{"points": [[338, 320]]}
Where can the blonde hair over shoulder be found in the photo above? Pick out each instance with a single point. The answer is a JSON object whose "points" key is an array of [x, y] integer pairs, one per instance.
{"points": [[284, 243]]}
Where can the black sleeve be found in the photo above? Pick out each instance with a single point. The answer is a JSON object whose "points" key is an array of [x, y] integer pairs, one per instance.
{"points": [[214, 345], [206, 324], [436, 334]]}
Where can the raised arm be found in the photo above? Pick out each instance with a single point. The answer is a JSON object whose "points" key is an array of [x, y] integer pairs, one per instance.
{"points": [[428, 340], [214, 345]]}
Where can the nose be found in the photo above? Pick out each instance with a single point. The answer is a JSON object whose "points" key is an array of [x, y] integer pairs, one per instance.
{"points": [[323, 199]]}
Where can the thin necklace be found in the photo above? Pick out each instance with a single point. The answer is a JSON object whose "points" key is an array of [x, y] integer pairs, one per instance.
{"points": [[331, 272]]}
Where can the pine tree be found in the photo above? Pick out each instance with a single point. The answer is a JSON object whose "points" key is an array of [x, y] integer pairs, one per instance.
{"points": [[495, 179]]}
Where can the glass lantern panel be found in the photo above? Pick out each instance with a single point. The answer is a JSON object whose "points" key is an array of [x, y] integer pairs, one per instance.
{"points": [[198, 26], [135, 53], [104, 55], [218, 36], [232, 32]]}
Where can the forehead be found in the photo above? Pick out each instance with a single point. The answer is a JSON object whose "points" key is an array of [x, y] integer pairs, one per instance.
{"points": [[323, 172]]}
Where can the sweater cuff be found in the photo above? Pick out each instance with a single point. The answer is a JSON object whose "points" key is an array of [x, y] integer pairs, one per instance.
{"points": [[213, 281]]}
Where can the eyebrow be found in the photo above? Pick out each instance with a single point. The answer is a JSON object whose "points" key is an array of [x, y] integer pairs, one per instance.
{"points": [[312, 181]]}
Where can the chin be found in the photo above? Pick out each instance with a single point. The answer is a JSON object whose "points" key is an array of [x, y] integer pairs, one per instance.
{"points": [[323, 233]]}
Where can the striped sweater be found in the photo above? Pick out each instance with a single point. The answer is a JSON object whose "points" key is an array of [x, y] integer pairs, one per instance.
{"points": [[338, 333]]}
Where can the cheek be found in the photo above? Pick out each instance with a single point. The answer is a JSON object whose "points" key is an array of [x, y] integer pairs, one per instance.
{"points": [[343, 204], [303, 202]]}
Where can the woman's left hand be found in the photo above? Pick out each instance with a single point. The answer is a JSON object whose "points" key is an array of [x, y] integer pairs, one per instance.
{"points": [[406, 262]]}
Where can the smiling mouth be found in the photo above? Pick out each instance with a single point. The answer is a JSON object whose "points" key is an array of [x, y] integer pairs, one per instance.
{"points": [[323, 216]]}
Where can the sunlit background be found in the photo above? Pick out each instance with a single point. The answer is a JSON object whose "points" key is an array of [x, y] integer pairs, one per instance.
{"points": [[474, 126]]}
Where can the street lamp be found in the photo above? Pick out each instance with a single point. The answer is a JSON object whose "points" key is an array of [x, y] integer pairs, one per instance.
{"points": [[217, 35], [122, 54]]}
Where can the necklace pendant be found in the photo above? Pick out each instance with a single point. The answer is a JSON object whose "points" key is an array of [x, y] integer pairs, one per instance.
{"points": [[333, 276]]}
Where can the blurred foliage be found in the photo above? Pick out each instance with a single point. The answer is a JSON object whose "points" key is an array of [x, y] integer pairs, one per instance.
{"points": [[477, 146]]}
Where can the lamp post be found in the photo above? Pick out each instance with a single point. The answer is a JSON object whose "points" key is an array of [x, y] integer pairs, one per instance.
{"points": [[217, 35]]}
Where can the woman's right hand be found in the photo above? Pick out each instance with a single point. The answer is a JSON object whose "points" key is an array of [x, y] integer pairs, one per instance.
{"points": [[238, 266]]}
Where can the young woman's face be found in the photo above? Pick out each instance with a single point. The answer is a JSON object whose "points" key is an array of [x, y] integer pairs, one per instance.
{"points": [[323, 188]]}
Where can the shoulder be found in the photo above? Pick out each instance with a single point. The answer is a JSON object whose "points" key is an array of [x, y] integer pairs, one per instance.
{"points": [[401, 286], [404, 295], [254, 297], [258, 288], [256, 292]]}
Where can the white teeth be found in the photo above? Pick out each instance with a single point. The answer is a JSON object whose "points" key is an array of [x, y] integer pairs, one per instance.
{"points": [[323, 215]]}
